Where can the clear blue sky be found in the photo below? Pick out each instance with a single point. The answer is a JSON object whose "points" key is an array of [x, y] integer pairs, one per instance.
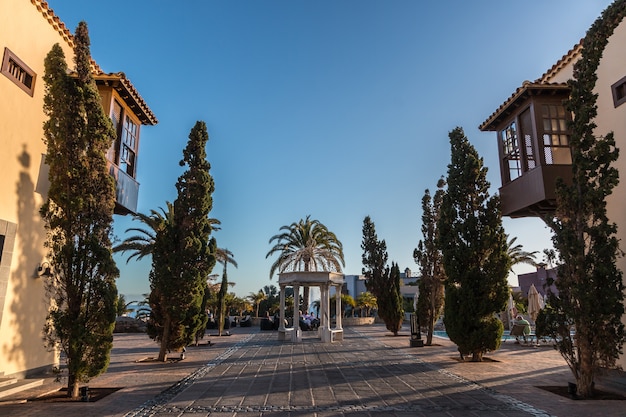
{"points": [[336, 109]]}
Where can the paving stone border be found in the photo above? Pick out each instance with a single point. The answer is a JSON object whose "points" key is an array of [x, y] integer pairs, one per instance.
{"points": [[151, 407]]}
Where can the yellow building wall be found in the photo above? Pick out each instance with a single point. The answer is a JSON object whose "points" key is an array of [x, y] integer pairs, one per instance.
{"points": [[30, 36]]}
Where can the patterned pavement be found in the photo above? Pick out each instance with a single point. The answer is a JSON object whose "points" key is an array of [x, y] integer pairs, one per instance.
{"points": [[370, 373]]}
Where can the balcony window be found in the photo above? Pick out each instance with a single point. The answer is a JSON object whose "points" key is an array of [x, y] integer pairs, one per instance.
{"points": [[124, 152], [555, 135], [130, 134], [511, 152]]}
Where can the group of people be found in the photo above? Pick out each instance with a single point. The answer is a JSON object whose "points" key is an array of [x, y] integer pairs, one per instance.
{"points": [[308, 322]]}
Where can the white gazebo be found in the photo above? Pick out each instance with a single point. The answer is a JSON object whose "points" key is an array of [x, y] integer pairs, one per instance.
{"points": [[324, 280]]}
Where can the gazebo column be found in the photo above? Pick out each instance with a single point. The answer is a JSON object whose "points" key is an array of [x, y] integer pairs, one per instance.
{"points": [[281, 325], [338, 309], [296, 335], [324, 330]]}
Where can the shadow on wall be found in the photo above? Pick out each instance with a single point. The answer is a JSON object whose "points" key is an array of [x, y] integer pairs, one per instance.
{"points": [[26, 292]]}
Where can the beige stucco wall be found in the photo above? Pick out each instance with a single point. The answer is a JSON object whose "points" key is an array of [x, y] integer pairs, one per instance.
{"points": [[30, 37], [612, 68]]}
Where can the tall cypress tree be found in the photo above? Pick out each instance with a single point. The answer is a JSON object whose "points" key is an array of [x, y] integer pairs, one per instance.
{"points": [[78, 214], [390, 306], [380, 280], [184, 253], [474, 249], [591, 290], [428, 256], [374, 257]]}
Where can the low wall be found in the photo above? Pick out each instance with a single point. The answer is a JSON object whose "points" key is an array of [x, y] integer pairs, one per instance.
{"points": [[346, 321], [357, 321]]}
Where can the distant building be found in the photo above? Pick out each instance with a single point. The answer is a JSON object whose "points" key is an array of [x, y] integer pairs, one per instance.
{"points": [[28, 30], [355, 285], [540, 279]]}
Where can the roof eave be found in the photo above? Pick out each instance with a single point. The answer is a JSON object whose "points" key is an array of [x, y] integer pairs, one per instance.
{"points": [[129, 94], [140, 108], [515, 100]]}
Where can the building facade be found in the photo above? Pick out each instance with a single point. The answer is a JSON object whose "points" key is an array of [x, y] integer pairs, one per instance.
{"points": [[533, 137], [28, 30], [539, 279]]}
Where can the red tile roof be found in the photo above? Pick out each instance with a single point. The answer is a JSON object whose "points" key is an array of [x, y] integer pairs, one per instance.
{"points": [[527, 88], [140, 107], [541, 84]]}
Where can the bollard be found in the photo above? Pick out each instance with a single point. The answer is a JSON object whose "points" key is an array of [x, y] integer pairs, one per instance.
{"points": [[84, 394], [416, 334]]}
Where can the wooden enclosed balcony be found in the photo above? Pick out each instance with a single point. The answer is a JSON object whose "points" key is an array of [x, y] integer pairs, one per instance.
{"points": [[534, 193], [533, 148]]}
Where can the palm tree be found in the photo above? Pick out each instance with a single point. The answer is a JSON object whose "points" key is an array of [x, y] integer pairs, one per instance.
{"points": [[366, 300], [256, 298], [306, 246], [519, 256], [142, 245], [123, 306], [348, 300], [143, 310]]}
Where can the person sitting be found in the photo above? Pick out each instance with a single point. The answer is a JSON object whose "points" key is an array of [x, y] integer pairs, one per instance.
{"points": [[305, 322], [246, 321], [315, 322], [267, 323], [522, 321]]}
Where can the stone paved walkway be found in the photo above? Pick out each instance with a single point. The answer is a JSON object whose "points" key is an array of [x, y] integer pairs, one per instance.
{"points": [[368, 374]]}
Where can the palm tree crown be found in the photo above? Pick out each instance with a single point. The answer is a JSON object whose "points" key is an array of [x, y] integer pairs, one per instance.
{"points": [[307, 245], [142, 244], [518, 255]]}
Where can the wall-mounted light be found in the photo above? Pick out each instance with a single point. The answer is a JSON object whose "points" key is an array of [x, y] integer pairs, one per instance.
{"points": [[44, 270]]}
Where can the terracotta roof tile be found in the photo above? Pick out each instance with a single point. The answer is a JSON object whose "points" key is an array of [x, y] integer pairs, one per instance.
{"points": [[129, 94], [144, 112], [571, 55], [521, 92], [542, 83]]}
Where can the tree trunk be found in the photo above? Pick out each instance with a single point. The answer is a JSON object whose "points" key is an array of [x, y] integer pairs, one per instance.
{"points": [[429, 336], [165, 340], [584, 380], [477, 357], [305, 300], [72, 386], [221, 317]]}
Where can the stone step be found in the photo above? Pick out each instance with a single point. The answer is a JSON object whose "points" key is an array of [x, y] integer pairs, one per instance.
{"points": [[19, 385], [7, 381]]}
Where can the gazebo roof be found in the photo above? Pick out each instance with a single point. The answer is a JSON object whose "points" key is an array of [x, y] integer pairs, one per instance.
{"points": [[310, 278]]}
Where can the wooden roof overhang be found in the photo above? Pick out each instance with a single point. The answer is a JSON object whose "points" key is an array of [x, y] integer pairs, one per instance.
{"points": [[519, 98], [129, 94], [122, 84]]}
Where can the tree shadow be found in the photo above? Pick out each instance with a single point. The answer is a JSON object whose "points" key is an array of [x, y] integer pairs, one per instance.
{"points": [[26, 289]]}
